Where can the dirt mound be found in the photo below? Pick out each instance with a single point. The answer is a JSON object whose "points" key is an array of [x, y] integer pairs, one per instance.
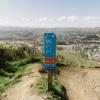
{"points": [[81, 84]]}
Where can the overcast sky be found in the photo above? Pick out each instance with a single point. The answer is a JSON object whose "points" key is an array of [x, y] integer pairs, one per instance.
{"points": [[50, 13]]}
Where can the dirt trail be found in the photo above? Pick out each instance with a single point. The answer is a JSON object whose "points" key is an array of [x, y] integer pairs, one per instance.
{"points": [[25, 90], [81, 84]]}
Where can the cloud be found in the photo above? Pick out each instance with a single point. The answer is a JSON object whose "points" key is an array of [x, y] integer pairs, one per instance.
{"points": [[62, 18], [73, 18], [63, 21], [26, 19], [68, 18], [44, 19], [92, 20], [77, 21]]}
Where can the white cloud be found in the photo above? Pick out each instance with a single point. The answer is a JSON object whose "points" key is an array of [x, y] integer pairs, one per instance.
{"points": [[91, 18], [68, 18], [93, 21], [73, 18], [77, 21], [63, 21], [62, 18], [43, 19], [26, 19]]}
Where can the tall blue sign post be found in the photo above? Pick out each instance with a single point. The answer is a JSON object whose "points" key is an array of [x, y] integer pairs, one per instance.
{"points": [[50, 55]]}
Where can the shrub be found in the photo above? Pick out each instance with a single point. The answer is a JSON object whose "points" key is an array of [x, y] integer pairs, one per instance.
{"points": [[75, 59], [58, 92]]}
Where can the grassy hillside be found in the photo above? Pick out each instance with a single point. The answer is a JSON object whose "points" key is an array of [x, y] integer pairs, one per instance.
{"points": [[13, 63], [75, 59]]}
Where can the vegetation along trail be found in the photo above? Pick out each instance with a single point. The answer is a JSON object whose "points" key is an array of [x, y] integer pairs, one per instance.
{"points": [[26, 89]]}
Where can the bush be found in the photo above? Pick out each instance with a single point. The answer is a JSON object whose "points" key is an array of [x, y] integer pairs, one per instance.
{"points": [[13, 56], [13, 60], [58, 91], [75, 59]]}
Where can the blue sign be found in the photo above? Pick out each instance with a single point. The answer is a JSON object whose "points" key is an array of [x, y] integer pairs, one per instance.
{"points": [[49, 49], [49, 44]]}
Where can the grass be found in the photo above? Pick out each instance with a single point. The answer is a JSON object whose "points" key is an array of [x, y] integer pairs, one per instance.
{"points": [[13, 64], [58, 91], [14, 71], [75, 59], [7, 81]]}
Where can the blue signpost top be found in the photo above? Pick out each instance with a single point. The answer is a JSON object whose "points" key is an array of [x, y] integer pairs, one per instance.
{"points": [[49, 44]]}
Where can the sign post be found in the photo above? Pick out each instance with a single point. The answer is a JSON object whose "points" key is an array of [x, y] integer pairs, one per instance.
{"points": [[50, 56], [49, 80]]}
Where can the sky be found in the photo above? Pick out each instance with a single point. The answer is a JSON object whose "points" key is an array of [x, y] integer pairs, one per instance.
{"points": [[50, 13]]}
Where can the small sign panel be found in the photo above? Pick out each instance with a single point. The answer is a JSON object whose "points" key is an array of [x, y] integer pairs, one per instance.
{"points": [[50, 50], [49, 44]]}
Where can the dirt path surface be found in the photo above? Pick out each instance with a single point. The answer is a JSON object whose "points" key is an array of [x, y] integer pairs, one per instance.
{"points": [[81, 84], [26, 89]]}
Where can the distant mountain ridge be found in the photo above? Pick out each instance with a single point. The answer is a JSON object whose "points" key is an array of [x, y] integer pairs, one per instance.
{"points": [[25, 32]]}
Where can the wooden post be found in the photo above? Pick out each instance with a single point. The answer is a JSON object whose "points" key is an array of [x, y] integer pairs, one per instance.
{"points": [[49, 80]]}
